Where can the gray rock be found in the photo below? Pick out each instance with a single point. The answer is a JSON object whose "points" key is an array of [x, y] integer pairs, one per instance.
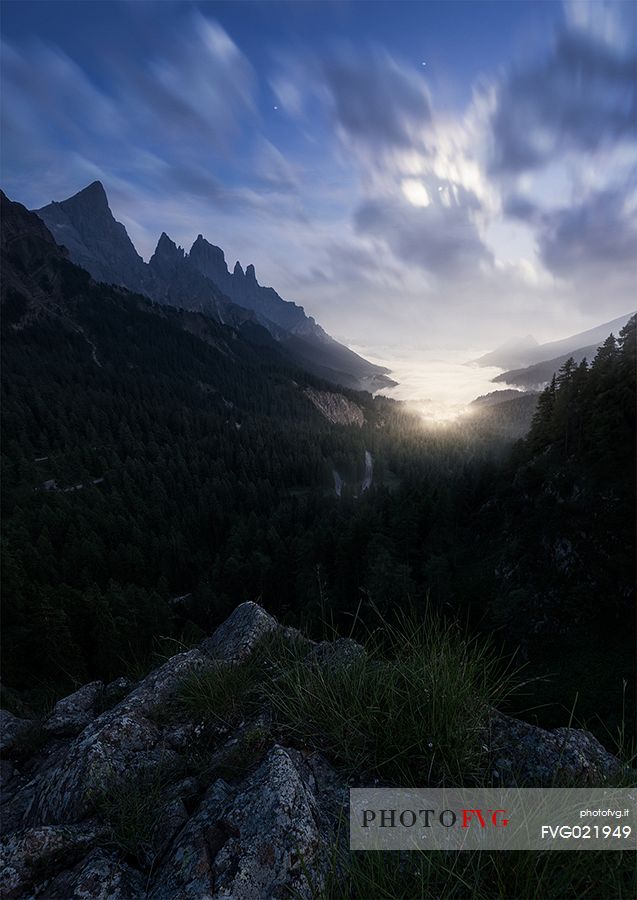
{"points": [[120, 743], [181, 735], [254, 842], [74, 713], [101, 876], [11, 730], [115, 691], [171, 818], [185, 871], [257, 831], [235, 640], [336, 407], [29, 854], [274, 828], [526, 755]]}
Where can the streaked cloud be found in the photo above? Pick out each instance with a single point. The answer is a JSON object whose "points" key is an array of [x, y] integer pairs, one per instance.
{"points": [[367, 194]]}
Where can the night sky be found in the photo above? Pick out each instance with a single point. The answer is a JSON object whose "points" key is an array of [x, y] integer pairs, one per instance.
{"points": [[416, 173]]}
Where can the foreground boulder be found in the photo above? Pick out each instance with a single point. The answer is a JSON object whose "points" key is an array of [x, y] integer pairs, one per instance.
{"points": [[123, 741], [73, 713], [259, 840], [27, 854], [529, 756], [141, 799]]}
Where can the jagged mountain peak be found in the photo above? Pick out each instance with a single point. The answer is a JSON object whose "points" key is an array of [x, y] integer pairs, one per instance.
{"points": [[250, 273], [95, 190], [208, 258], [91, 199], [238, 270], [167, 249], [85, 225], [166, 241]]}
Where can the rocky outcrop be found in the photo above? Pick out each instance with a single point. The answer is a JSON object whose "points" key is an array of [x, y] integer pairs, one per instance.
{"points": [[28, 854], [73, 713], [102, 875], [123, 741], [258, 840], [336, 407], [529, 756], [235, 640], [229, 811]]}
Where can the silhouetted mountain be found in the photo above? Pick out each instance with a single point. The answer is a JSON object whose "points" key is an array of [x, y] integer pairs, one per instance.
{"points": [[537, 376], [511, 353], [85, 225], [593, 337], [175, 282], [30, 259], [200, 281], [244, 289], [495, 397], [520, 353]]}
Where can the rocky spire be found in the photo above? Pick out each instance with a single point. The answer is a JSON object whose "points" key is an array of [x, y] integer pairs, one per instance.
{"points": [[85, 225], [167, 248], [210, 260], [91, 200]]}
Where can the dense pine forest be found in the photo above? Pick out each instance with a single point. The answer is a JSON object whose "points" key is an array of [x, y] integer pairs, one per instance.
{"points": [[159, 468]]}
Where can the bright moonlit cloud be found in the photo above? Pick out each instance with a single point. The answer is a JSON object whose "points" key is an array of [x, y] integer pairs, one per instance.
{"points": [[415, 192]]}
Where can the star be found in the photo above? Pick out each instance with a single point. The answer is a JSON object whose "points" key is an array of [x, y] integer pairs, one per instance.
{"points": [[276, 107]]}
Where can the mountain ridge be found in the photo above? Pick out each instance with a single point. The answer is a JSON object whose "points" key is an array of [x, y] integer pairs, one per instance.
{"points": [[85, 225], [538, 375], [513, 355]]}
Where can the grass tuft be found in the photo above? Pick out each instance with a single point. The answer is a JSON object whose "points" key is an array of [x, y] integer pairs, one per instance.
{"points": [[480, 875], [131, 807], [411, 710], [221, 696]]}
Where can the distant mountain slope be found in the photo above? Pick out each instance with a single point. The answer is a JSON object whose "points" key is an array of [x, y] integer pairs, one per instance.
{"points": [[527, 352], [591, 338], [537, 376], [508, 354], [200, 281], [495, 397]]}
